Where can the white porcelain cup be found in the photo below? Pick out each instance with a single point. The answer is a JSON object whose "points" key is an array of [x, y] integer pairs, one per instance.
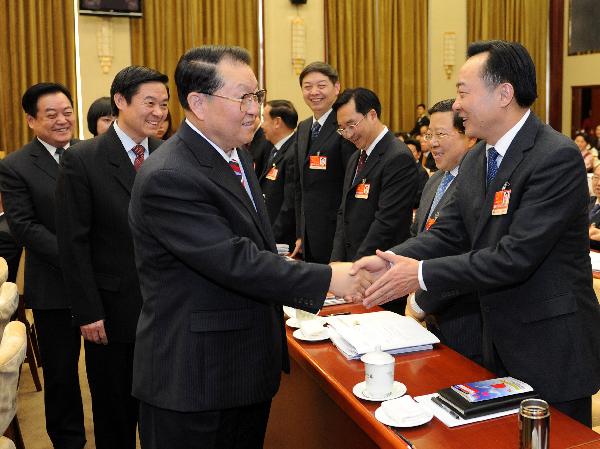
{"points": [[303, 315], [311, 328], [379, 374]]}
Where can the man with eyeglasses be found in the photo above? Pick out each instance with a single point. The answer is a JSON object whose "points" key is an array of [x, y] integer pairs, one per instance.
{"points": [[96, 248], [211, 342], [456, 322], [379, 184], [27, 180], [320, 165], [594, 210]]}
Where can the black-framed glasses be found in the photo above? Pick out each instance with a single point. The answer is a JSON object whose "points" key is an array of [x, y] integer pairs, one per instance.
{"points": [[246, 100], [349, 128]]}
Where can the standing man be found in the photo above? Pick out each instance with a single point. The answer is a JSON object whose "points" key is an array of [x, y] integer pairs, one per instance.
{"points": [[320, 164], [211, 342], [455, 321], [422, 120], [27, 180], [516, 234], [96, 249], [380, 181], [277, 178]]}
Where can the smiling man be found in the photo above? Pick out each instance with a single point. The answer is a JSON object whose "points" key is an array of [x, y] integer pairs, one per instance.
{"points": [[96, 249], [515, 234], [27, 179]]}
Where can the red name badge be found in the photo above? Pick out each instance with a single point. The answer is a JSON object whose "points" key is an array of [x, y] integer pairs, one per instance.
{"points": [[430, 222], [362, 190], [501, 200], [272, 174], [318, 162]]}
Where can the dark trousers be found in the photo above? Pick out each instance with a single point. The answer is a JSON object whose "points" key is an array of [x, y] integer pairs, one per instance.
{"points": [[110, 370], [235, 428], [60, 345]]}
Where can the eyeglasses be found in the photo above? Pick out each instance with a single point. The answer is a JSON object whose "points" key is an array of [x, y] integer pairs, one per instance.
{"points": [[246, 100], [350, 128], [439, 136]]}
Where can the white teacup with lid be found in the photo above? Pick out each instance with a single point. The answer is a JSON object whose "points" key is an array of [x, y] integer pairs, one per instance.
{"points": [[379, 373]]}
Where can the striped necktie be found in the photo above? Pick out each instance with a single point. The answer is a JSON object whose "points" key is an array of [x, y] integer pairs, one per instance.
{"points": [[446, 180], [235, 166], [139, 156], [315, 129]]}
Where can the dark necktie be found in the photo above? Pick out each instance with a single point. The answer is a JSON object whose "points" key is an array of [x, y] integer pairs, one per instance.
{"points": [[594, 210], [273, 154], [446, 180], [492, 166], [314, 131], [139, 156], [235, 166], [362, 160], [59, 152]]}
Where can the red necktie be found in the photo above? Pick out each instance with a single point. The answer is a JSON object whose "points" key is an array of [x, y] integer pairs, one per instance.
{"points": [[362, 159], [139, 156], [235, 166]]}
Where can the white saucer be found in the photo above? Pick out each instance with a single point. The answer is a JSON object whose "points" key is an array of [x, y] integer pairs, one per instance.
{"points": [[420, 420], [293, 322], [289, 311], [398, 389], [300, 336]]}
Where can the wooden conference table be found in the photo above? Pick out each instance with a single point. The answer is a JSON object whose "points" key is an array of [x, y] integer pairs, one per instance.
{"points": [[315, 407]]}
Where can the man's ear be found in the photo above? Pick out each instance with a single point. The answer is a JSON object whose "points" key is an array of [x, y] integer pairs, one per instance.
{"points": [[197, 104]]}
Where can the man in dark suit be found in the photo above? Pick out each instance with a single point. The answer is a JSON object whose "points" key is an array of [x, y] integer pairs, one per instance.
{"points": [[96, 249], [422, 176], [516, 234], [422, 120], [210, 341], [27, 180], [277, 178], [320, 164], [10, 250], [455, 321], [594, 211], [379, 184]]}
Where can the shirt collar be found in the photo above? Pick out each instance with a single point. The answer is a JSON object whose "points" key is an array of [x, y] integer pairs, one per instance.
{"points": [[227, 158], [454, 171], [128, 142], [504, 142], [52, 149], [376, 141], [323, 117], [279, 144]]}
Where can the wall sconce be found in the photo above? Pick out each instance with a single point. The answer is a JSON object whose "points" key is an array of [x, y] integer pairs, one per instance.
{"points": [[104, 40], [449, 52], [298, 44]]}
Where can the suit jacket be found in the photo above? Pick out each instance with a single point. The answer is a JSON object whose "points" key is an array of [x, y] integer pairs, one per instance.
{"points": [[96, 249], [211, 332], [455, 320], [282, 218], [319, 192], [530, 267], [27, 179], [422, 178], [382, 219], [594, 219], [9, 249]]}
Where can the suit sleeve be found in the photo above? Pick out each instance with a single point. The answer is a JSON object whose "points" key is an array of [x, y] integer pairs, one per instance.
{"points": [[74, 222], [394, 208], [185, 214], [21, 216]]}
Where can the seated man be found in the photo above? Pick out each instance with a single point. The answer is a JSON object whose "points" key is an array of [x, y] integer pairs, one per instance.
{"points": [[594, 211], [422, 175]]}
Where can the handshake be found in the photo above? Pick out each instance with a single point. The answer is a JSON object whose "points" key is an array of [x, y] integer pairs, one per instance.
{"points": [[375, 280]]}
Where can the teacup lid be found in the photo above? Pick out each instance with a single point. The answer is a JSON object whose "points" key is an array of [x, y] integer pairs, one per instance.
{"points": [[377, 357]]}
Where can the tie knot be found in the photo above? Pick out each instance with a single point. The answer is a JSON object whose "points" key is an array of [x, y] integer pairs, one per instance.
{"points": [[138, 150], [59, 151], [493, 154], [235, 166], [316, 127]]}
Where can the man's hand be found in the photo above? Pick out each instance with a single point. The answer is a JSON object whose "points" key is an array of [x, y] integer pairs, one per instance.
{"points": [[594, 233], [375, 265], [297, 249], [400, 280], [346, 285], [94, 332]]}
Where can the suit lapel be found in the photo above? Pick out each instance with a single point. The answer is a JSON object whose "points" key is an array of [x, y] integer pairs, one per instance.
{"points": [[327, 130], [43, 160], [427, 201], [522, 142], [303, 142], [118, 160], [373, 158]]}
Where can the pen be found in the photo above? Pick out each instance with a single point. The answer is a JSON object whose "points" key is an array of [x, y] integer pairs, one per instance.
{"points": [[338, 314], [403, 438], [444, 407]]}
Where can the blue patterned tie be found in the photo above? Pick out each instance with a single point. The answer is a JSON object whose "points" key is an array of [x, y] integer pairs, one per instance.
{"points": [[446, 180], [492, 167], [314, 131]]}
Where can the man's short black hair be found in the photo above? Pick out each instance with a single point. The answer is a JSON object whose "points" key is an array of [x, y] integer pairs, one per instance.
{"points": [[99, 108], [414, 142], [422, 105], [127, 83], [364, 99], [285, 110], [508, 62], [197, 69], [321, 67], [446, 106], [33, 94]]}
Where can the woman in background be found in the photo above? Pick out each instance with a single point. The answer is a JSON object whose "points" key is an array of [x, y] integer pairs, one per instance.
{"points": [[100, 116]]}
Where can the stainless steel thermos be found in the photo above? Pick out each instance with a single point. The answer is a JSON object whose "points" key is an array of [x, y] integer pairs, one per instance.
{"points": [[534, 424]]}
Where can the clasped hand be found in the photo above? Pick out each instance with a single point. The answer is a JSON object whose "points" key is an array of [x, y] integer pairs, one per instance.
{"points": [[375, 280]]}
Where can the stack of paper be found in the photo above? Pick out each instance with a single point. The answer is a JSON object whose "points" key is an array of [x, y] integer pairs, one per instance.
{"points": [[355, 335]]}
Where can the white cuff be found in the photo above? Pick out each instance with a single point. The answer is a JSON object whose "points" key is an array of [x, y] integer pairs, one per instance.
{"points": [[415, 306], [421, 281]]}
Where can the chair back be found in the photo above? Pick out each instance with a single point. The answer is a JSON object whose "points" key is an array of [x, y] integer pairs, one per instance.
{"points": [[3, 270], [9, 301], [12, 354]]}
